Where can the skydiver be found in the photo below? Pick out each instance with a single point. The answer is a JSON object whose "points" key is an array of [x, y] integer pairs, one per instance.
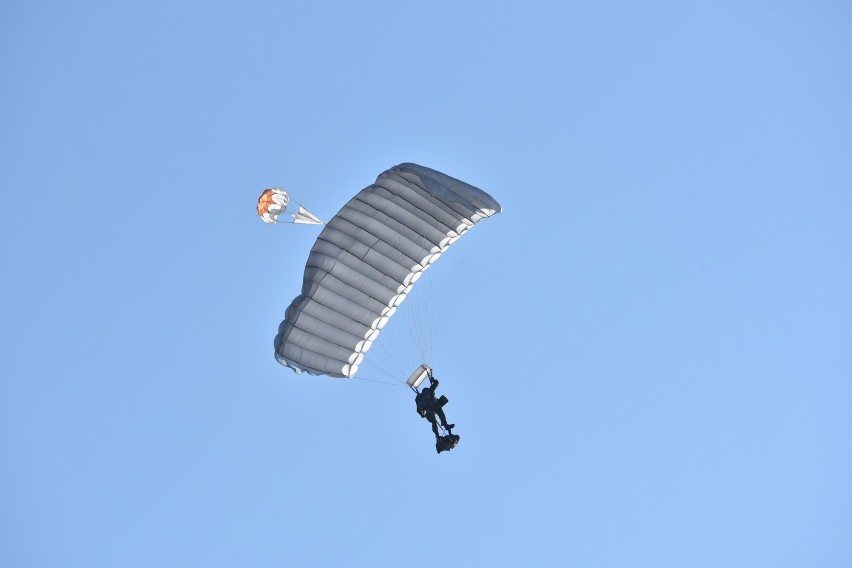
{"points": [[428, 406]]}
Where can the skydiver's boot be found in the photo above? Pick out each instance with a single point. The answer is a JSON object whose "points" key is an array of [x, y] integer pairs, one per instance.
{"points": [[449, 427]]}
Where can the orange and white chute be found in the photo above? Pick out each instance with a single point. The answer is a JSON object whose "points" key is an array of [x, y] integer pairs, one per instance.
{"points": [[272, 203]]}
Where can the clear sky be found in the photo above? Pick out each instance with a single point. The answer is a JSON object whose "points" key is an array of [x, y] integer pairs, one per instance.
{"points": [[648, 354]]}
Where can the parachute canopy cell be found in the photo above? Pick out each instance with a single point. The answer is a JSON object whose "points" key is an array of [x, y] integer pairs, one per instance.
{"points": [[366, 261], [271, 203]]}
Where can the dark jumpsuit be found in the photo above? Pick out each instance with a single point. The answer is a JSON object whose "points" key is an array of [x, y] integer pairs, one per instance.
{"points": [[428, 406]]}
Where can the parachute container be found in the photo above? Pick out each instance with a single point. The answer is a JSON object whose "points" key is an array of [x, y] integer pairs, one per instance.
{"points": [[367, 259]]}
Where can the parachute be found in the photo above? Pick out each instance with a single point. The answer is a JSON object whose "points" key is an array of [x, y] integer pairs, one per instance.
{"points": [[367, 259], [273, 202]]}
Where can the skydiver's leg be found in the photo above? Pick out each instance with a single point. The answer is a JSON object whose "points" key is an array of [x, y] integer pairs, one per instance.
{"points": [[430, 416], [440, 412]]}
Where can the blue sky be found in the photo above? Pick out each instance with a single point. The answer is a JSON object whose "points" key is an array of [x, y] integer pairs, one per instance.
{"points": [[648, 353]]}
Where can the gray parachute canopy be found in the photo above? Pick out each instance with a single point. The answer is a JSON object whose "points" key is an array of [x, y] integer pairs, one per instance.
{"points": [[367, 259]]}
